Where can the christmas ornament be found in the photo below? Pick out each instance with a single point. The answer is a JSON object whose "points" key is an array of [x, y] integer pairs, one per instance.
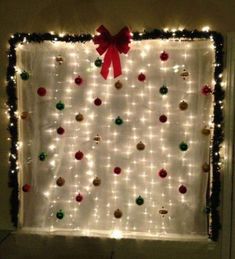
{"points": [[163, 90], [26, 187], [59, 59], [206, 167], [141, 77], [60, 181], [183, 105], [163, 118], [162, 173], [117, 214], [118, 121], [118, 85], [60, 131], [184, 74], [42, 156], [78, 80], [112, 46], [97, 139], [79, 155], [60, 214], [24, 115], [207, 210], [206, 90], [97, 181], [163, 211], [117, 170], [79, 197], [79, 117], [140, 146], [41, 91], [206, 131], [139, 201], [164, 56], [97, 101], [182, 189], [24, 75], [60, 106], [98, 62], [183, 146]]}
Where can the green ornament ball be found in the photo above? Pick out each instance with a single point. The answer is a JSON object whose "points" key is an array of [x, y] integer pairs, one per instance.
{"points": [[42, 156], [139, 201], [98, 62], [60, 106], [163, 90], [60, 214], [183, 146], [24, 75], [119, 121]]}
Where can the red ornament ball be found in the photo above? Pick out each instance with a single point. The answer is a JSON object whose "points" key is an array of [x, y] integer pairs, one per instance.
{"points": [[164, 56], [79, 155], [41, 91], [79, 197], [78, 80], [97, 101], [26, 187], [182, 189], [141, 77], [60, 131], [206, 90], [117, 170], [162, 173], [163, 118]]}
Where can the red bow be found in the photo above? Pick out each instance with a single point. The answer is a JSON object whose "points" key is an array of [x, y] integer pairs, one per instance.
{"points": [[112, 45]]}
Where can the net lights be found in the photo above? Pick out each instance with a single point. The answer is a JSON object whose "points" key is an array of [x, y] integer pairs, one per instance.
{"points": [[125, 221]]}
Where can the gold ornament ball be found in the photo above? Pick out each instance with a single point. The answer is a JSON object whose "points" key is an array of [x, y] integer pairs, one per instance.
{"points": [[97, 139], [97, 181], [79, 117], [117, 214], [118, 85], [24, 115], [206, 167], [206, 131], [183, 105], [59, 59], [140, 146], [60, 181]]}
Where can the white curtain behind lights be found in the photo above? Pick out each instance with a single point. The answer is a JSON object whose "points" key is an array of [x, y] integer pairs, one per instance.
{"points": [[139, 104]]}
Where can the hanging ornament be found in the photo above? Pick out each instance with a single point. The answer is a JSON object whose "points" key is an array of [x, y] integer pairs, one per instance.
{"points": [[206, 131], [206, 167], [162, 173], [24, 75], [59, 59], [97, 101], [60, 131], [41, 91], [24, 115], [60, 181], [206, 90], [184, 74], [117, 170], [118, 85], [97, 181], [163, 118], [207, 210], [163, 211], [118, 121], [78, 80], [79, 117], [163, 90], [183, 146], [164, 56], [97, 139], [141, 77], [60, 106], [182, 189], [183, 105], [117, 214], [98, 62], [42, 156], [140, 146], [139, 201], [79, 155], [79, 197], [60, 214], [26, 187]]}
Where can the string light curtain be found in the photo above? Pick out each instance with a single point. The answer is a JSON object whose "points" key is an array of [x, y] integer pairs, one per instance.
{"points": [[123, 157]]}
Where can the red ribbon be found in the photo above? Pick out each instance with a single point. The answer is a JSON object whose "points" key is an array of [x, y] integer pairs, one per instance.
{"points": [[112, 46]]}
